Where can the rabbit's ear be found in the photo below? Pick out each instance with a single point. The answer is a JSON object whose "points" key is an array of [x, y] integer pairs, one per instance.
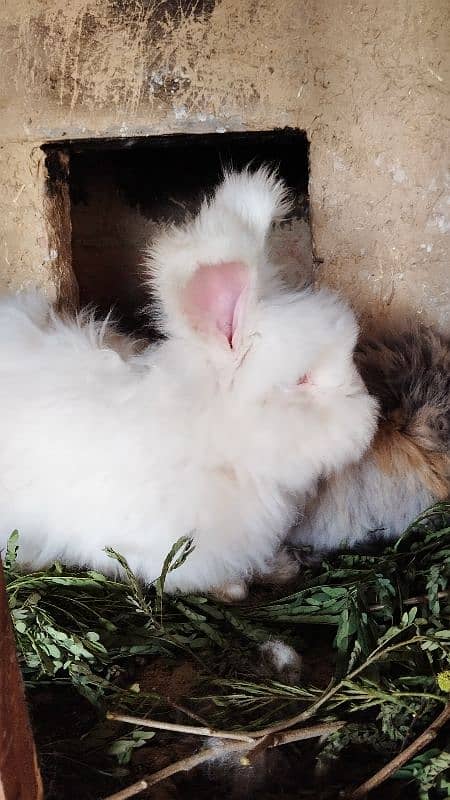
{"points": [[256, 198], [198, 272], [214, 297]]}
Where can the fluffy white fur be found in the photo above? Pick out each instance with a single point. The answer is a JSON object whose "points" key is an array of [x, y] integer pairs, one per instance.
{"points": [[359, 501], [190, 436], [283, 660]]}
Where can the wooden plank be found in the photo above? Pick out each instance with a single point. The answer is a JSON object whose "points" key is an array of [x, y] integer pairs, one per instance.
{"points": [[19, 772]]}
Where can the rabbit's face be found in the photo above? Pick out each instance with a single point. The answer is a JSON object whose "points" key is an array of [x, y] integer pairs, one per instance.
{"points": [[290, 343]]}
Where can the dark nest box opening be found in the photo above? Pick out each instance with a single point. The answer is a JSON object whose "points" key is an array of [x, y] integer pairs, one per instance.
{"points": [[113, 195]]}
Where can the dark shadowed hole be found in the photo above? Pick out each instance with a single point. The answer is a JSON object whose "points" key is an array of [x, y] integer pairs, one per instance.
{"points": [[123, 190]]}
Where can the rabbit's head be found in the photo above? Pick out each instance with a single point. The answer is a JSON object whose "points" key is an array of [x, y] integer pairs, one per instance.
{"points": [[261, 361], [216, 288]]}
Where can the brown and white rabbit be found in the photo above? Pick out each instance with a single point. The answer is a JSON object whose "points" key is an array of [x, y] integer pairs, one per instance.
{"points": [[214, 432], [407, 467]]}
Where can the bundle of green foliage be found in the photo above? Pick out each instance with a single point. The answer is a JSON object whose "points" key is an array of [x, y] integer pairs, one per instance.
{"points": [[389, 653]]}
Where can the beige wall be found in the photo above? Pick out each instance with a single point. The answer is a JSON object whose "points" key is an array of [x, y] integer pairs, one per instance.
{"points": [[367, 81]]}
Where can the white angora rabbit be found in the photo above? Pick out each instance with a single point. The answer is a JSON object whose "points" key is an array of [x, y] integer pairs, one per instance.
{"points": [[214, 432]]}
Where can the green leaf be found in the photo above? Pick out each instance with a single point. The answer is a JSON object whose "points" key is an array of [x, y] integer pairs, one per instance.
{"points": [[177, 555], [12, 548]]}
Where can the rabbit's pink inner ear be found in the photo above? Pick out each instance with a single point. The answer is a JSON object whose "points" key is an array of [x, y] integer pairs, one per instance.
{"points": [[212, 296]]}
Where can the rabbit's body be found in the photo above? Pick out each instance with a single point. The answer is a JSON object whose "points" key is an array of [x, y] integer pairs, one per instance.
{"points": [[407, 467], [192, 436]]}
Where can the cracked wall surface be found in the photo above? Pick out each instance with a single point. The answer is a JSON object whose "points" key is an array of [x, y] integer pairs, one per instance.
{"points": [[368, 82]]}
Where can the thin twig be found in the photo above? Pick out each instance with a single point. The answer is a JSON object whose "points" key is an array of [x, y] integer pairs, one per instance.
{"points": [[238, 736], [422, 741], [173, 726], [295, 735], [210, 753], [311, 732]]}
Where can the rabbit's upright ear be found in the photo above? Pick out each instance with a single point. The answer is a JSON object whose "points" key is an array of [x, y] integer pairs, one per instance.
{"points": [[201, 273], [214, 298]]}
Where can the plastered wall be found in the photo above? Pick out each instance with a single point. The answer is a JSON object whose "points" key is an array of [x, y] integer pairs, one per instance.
{"points": [[368, 82]]}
